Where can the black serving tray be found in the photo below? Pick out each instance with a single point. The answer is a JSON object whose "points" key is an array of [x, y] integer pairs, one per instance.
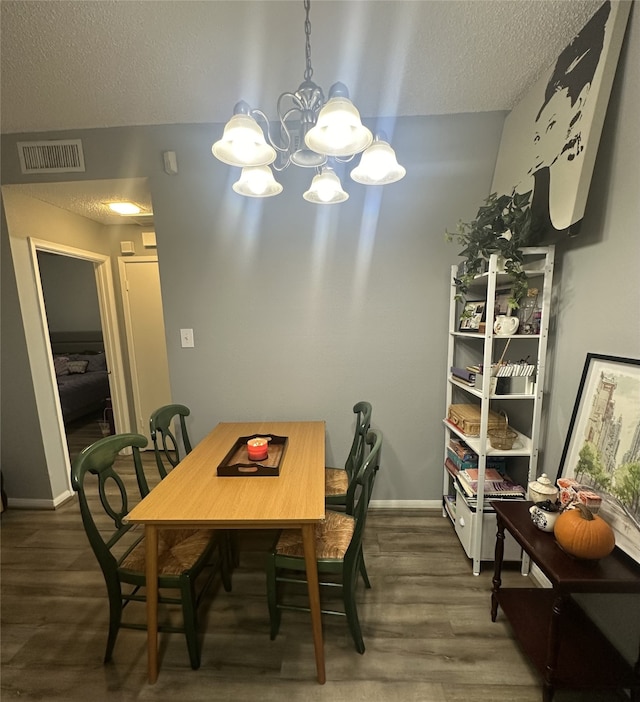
{"points": [[237, 462]]}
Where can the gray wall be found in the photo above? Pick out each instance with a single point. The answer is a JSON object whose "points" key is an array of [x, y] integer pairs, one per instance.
{"points": [[598, 296], [22, 452], [69, 291], [298, 310]]}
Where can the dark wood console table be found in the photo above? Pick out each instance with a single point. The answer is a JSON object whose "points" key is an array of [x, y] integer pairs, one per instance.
{"points": [[565, 646]]}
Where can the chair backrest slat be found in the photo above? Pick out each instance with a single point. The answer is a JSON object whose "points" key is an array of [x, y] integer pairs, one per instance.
{"points": [[361, 487], [165, 441], [363, 411]]}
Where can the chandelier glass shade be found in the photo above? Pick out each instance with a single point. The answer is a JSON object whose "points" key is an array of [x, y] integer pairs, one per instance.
{"points": [[312, 132], [338, 130], [326, 188], [243, 143], [257, 181], [378, 165]]}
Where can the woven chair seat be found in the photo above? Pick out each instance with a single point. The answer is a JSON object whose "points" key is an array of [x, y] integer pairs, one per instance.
{"points": [[178, 550], [336, 481], [333, 536]]}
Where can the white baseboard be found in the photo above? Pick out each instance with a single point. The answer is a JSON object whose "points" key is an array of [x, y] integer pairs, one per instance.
{"points": [[406, 504], [65, 497], [30, 503]]}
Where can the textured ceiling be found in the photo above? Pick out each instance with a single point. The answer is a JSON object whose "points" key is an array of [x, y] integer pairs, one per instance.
{"points": [[72, 64], [104, 63], [90, 198]]}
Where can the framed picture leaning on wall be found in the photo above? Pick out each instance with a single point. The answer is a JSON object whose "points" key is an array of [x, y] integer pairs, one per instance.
{"points": [[602, 448], [472, 316]]}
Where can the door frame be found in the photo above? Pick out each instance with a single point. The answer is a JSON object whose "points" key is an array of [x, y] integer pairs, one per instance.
{"points": [[111, 337]]}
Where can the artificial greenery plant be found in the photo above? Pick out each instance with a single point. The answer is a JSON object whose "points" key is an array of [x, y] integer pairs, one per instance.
{"points": [[502, 226]]}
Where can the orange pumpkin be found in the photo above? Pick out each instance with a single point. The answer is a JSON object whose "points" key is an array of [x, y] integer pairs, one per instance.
{"points": [[584, 535]]}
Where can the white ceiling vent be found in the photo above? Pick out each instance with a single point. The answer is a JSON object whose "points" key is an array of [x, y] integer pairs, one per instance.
{"points": [[63, 156]]}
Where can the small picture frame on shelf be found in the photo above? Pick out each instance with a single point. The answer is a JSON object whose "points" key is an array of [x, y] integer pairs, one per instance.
{"points": [[501, 305], [472, 316]]}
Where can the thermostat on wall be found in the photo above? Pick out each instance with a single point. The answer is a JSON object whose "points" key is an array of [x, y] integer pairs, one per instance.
{"points": [[148, 239], [170, 162], [127, 248]]}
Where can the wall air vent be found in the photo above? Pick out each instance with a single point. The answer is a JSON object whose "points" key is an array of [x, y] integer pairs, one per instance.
{"points": [[63, 156]]}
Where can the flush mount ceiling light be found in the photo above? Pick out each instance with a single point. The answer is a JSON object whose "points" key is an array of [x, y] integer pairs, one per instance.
{"points": [[329, 131], [130, 211], [124, 208]]}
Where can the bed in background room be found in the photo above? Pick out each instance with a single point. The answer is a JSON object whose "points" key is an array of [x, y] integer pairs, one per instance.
{"points": [[81, 371]]}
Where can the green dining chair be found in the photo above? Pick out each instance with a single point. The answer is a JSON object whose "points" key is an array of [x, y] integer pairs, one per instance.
{"points": [[337, 480], [338, 540], [164, 438], [166, 424], [104, 482]]}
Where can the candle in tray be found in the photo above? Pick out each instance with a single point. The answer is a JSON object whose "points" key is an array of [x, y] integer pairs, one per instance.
{"points": [[257, 449]]}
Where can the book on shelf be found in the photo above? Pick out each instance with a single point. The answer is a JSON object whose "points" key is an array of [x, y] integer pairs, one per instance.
{"points": [[497, 462], [514, 370], [459, 462], [462, 381], [506, 490], [462, 450], [472, 502], [502, 487], [464, 375], [489, 474], [451, 467]]}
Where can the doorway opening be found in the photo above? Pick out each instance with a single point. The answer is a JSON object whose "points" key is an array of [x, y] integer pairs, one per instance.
{"points": [[105, 339], [72, 312]]}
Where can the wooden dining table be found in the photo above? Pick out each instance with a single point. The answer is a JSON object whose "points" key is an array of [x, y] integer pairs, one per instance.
{"points": [[193, 495]]}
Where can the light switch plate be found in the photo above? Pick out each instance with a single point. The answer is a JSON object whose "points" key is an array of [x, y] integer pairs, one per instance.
{"points": [[186, 338]]}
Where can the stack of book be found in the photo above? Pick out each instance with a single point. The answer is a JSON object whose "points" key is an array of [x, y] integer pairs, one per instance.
{"points": [[462, 464], [466, 376], [515, 370], [496, 484], [463, 457]]}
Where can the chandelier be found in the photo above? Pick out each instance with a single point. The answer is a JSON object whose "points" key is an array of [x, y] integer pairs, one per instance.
{"points": [[313, 133]]}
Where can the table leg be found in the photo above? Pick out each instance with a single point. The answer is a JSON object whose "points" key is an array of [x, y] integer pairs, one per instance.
{"points": [[497, 572], [309, 542], [151, 554], [553, 647]]}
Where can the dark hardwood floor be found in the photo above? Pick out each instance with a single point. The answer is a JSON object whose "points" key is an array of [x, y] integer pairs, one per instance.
{"points": [[426, 626], [84, 432]]}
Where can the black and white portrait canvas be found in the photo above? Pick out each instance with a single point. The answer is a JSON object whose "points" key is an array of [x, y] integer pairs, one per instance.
{"points": [[550, 139]]}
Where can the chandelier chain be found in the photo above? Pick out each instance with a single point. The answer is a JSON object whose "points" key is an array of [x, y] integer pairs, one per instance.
{"points": [[307, 31]]}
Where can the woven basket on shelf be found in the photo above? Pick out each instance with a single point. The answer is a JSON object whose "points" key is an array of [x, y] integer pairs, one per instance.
{"points": [[502, 438]]}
